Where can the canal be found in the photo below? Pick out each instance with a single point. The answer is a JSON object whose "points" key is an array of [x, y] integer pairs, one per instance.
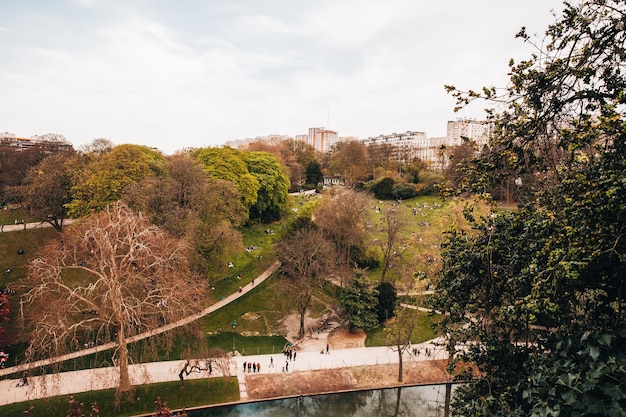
{"points": [[414, 401]]}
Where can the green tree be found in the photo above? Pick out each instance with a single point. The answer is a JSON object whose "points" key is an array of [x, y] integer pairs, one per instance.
{"points": [[101, 181], [536, 296], [273, 189], [382, 188], [313, 173], [387, 299], [229, 164], [359, 302]]}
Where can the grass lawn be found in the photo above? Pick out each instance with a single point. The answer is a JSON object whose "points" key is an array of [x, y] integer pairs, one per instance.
{"points": [[422, 332], [194, 393]]}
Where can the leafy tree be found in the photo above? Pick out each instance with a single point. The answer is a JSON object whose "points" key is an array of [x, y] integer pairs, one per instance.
{"points": [[387, 299], [111, 277], [536, 296], [273, 185], [382, 188], [230, 165], [102, 180], [306, 258], [313, 173], [359, 302], [403, 191], [350, 161], [46, 190], [187, 203]]}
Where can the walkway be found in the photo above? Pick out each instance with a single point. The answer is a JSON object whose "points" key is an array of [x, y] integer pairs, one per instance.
{"points": [[307, 360]]}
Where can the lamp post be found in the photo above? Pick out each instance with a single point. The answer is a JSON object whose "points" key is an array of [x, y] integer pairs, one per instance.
{"points": [[234, 324]]}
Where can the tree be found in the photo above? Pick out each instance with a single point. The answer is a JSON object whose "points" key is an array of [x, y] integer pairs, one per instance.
{"points": [[536, 296], [46, 190], [359, 302], [14, 166], [187, 203], [400, 332], [342, 218], [387, 298], [382, 188], [5, 309], [306, 258], [350, 161], [230, 165], [313, 173], [393, 245], [111, 277], [98, 146], [101, 181], [273, 185]]}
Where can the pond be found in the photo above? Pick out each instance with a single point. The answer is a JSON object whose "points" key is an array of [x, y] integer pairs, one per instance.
{"points": [[414, 401]]}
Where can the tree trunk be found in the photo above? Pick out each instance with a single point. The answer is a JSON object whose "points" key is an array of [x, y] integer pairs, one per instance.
{"points": [[124, 385], [301, 331], [400, 349]]}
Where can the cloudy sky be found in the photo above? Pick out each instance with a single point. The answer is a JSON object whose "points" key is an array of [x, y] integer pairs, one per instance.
{"points": [[174, 74]]}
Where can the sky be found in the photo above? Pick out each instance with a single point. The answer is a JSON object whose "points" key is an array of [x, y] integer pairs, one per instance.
{"points": [[197, 73]]}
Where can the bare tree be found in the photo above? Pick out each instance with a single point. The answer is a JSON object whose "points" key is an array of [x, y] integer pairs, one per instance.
{"points": [[110, 277], [342, 217], [394, 243], [217, 360], [306, 258], [400, 333]]}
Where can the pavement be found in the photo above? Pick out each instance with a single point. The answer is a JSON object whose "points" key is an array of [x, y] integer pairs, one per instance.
{"points": [[308, 358]]}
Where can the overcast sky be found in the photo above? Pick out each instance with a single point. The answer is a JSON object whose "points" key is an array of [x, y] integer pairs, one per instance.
{"points": [[193, 73]]}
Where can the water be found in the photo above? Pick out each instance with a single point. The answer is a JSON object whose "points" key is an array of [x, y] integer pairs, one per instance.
{"points": [[422, 401]]}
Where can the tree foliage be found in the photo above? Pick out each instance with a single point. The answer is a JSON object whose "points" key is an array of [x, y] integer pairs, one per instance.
{"points": [[535, 296], [359, 302], [102, 179], [230, 165], [110, 277], [273, 185], [45, 191]]}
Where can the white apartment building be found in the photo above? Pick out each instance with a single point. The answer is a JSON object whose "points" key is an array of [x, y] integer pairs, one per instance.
{"points": [[475, 130], [412, 144], [322, 139]]}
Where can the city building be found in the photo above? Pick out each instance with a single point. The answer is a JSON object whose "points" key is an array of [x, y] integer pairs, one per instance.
{"points": [[49, 142]]}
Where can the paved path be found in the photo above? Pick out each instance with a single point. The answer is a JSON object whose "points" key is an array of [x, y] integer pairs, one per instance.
{"points": [[306, 360]]}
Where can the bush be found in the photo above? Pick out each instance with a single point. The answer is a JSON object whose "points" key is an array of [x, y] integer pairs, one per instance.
{"points": [[403, 191]]}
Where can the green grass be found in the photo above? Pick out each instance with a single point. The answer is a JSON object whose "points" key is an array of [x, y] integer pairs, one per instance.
{"points": [[194, 393], [8, 216], [423, 331], [247, 345]]}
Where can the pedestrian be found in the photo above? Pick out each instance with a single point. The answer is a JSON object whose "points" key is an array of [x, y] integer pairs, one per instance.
{"points": [[249, 367], [327, 348], [271, 362], [253, 282], [258, 367], [210, 368], [23, 382], [244, 366], [294, 355], [253, 367], [287, 366]]}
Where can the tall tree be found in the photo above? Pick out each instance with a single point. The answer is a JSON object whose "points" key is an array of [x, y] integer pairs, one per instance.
{"points": [[359, 302], [350, 161], [103, 179], [537, 294], [393, 242], [230, 165], [306, 258], [342, 218], [46, 190], [273, 185], [111, 277]]}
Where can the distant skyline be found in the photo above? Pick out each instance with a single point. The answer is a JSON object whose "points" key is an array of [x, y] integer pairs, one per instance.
{"points": [[198, 73]]}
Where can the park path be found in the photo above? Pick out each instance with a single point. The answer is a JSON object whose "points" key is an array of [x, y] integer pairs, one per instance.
{"points": [[112, 345]]}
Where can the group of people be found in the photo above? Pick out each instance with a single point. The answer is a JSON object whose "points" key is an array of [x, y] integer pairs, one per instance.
{"points": [[252, 367]]}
